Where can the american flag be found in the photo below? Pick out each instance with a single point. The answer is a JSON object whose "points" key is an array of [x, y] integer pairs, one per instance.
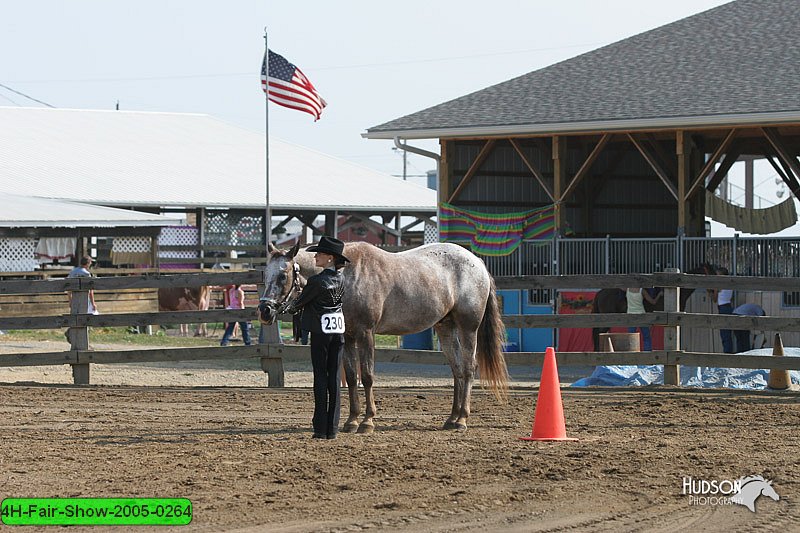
{"points": [[289, 87]]}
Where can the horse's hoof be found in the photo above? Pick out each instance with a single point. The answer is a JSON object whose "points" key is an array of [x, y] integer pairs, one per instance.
{"points": [[460, 427], [350, 427], [449, 425], [366, 429]]}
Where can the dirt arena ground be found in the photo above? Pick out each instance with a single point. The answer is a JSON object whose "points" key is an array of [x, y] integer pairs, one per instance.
{"points": [[244, 457]]}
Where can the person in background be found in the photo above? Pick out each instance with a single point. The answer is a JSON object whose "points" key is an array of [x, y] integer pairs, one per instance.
{"points": [[742, 335], [636, 298], [724, 298], [82, 271], [235, 298], [226, 302]]}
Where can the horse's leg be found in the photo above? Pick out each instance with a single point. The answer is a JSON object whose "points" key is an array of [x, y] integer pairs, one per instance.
{"points": [[446, 332], [596, 337], [468, 342], [366, 356], [184, 330], [351, 374]]}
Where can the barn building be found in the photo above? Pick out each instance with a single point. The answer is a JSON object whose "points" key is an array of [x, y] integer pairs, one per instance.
{"points": [[626, 145], [204, 170], [37, 231]]}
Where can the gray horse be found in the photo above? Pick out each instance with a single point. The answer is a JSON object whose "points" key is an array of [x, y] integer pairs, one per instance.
{"points": [[437, 285]]}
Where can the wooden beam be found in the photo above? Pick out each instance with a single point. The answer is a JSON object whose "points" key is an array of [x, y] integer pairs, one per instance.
{"points": [[724, 167], [584, 170], [786, 157], [282, 224], [723, 146], [787, 172], [536, 173], [445, 178], [374, 225], [613, 163], [420, 218], [473, 169], [411, 226], [559, 147], [778, 169], [664, 157], [672, 332], [662, 175], [683, 150]]}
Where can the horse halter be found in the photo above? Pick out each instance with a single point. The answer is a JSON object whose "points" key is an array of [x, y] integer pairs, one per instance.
{"points": [[296, 287]]}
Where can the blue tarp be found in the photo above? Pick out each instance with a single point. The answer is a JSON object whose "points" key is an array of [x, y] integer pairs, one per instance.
{"points": [[691, 376]]}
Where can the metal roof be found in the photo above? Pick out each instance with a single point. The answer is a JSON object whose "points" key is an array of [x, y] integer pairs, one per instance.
{"points": [[122, 158], [27, 212], [734, 64]]}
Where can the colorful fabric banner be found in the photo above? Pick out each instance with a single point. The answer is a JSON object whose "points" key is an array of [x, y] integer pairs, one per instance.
{"points": [[495, 234]]}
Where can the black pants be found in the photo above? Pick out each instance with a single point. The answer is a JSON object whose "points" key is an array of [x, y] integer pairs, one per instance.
{"points": [[326, 360], [725, 334], [742, 340]]}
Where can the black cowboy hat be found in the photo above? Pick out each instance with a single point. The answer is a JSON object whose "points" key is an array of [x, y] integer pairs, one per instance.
{"points": [[329, 245]]}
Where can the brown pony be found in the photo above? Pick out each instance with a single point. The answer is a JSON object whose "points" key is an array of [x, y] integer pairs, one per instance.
{"points": [[185, 299], [439, 285]]}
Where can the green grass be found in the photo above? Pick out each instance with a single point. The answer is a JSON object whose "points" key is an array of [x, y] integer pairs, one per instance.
{"points": [[168, 338]]}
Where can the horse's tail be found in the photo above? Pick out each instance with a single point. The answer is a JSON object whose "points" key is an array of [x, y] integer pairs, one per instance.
{"points": [[491, 336]]}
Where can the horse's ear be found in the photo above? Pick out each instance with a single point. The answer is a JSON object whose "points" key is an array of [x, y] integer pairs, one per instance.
{"points": [[294, 250]]}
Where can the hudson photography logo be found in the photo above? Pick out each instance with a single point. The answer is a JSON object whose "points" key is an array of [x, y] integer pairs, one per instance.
{"points": [[743, 491]]}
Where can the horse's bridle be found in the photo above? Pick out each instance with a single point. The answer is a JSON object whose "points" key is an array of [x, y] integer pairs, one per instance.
{"points": [[296, 287], [278, 307]]}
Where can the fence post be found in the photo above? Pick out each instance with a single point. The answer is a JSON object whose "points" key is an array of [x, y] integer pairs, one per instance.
{"points": [[672, 334], [272, 365], [79, 337]]}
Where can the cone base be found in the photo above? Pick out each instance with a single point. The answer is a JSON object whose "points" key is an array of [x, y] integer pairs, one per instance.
{"points": [[547, 438]]}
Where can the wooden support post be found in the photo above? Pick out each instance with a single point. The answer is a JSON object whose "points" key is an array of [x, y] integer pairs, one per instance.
{"points": [[559, 182], [79, 337], [154, 251], [682, 150], [672, 334], [200, 223], [398, 228], [270, 334], [272, 364]]}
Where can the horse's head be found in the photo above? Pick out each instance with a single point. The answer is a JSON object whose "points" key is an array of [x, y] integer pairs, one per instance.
{"points": [[751, 488], [281, 280], [769, 491]]}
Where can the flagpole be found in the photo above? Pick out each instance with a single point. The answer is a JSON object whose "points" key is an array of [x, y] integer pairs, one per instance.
{"points": [[267, 211], [268, 334]]}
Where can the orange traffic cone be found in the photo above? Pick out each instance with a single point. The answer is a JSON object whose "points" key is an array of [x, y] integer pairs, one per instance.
{"points": [[778, 379], [548, 419]]}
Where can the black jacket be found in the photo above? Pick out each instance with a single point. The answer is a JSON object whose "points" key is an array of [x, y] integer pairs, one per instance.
{"points": [[322, 294]]}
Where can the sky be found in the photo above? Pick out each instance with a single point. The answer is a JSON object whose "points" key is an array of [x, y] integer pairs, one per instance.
{"points": [[372, 61]]}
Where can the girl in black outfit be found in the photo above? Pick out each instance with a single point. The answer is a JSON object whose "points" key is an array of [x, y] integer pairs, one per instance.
{"points": [[321, 302]]}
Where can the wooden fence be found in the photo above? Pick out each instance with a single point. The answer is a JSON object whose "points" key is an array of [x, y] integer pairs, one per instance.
{"points": [[273, 355]]}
